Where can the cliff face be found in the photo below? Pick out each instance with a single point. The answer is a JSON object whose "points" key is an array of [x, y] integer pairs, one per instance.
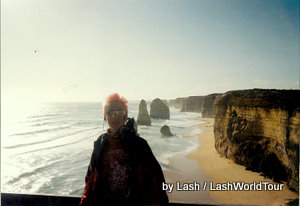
{"points": [[203, 104], [192, 104], [177, 103], [260, 129], [207, 109]]}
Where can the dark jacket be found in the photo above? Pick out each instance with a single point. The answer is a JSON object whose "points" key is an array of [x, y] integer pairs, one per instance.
{"points": [[145, 178]]}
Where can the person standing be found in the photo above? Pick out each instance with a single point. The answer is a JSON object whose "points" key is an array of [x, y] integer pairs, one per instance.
{"points": [[122, 169]]}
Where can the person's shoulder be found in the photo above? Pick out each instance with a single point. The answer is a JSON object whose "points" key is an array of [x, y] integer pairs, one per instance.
{"points": [[138, 140], [100, 139]]}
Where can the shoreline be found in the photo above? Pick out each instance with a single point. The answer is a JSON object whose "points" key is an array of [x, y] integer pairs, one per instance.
{"points": [[186, 170], [222, 170]]}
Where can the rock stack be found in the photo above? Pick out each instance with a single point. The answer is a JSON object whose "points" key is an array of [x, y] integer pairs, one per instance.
{"points": [[165, 131], [143, 116], [158, 109]]}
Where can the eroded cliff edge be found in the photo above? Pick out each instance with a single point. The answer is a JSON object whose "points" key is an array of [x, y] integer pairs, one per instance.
{"points": [[203, 104], [261, 129]]}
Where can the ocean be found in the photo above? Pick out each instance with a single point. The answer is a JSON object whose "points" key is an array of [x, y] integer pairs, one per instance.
{"points": [[46, 148]]}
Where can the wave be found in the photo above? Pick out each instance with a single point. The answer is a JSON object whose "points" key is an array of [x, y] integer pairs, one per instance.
{"points": [[86, 122], [55, 122], [77, 191], [45, 115], [58, 146], [28, 174], [42, 124], [74, 130], [169, 167], [50, 140], [40, 131]]}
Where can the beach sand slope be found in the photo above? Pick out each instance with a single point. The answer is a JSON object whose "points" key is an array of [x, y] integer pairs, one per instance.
{"points": [[222, 170]]}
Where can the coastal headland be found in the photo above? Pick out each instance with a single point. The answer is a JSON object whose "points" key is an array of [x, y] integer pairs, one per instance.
{"points": [[223, 171], [248, 153]]}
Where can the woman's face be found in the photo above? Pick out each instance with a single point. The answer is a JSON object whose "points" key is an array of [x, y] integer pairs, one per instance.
{"points": [[115, 115]]}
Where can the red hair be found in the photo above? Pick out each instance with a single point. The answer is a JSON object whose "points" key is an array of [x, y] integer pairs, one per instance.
{"points": [[115, 97]]}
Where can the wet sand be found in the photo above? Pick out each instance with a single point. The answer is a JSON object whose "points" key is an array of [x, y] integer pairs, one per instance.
{"points": [[206, 165], [189, 172]]}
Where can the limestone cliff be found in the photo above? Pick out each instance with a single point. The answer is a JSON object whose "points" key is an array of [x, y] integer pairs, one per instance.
{"points": [[260, 129], [207, 109], [192, 104], [177, 103]]}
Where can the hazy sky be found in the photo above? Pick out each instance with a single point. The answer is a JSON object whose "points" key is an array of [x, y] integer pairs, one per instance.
{"points": [[83, 50]]}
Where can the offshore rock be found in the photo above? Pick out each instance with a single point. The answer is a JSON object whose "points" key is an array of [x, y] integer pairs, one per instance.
{"points": [[192, 104], [165, 130], [208, 105], [143, 116], [260, 129], [158, 109]]}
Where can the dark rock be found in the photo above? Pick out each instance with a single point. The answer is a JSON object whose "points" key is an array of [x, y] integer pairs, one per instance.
{"points": [[165, 130], [143, 116], [158, 109]]}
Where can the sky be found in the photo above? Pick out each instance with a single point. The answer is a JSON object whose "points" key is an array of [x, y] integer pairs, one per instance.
{"points": [[84, 50]]}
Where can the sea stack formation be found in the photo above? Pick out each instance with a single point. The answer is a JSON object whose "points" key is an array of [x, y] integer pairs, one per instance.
{"points": [[260, 129], [158, 109], [165, 130], [143, 116]]}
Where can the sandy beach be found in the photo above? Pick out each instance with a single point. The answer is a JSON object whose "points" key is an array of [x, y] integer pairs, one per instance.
{"points": [[205, 166]]}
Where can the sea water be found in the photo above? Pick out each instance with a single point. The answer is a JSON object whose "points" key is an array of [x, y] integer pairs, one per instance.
{"points": [[46, 148]]}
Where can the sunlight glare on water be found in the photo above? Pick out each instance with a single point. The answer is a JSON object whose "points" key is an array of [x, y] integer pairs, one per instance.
{"points": [[41, 142], [13, 114]]}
